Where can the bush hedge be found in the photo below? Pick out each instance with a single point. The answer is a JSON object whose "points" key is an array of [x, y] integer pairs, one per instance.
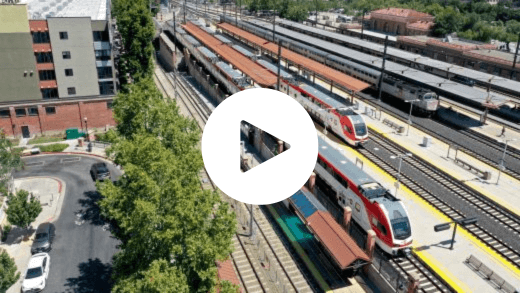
{"points": [[53, 148]]}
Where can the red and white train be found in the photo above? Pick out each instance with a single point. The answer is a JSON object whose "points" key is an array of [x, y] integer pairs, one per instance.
{"points": [[334, 114], [373, 207]]}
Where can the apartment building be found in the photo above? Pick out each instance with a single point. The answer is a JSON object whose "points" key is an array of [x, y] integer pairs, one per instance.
{"points": [[57, 66]]}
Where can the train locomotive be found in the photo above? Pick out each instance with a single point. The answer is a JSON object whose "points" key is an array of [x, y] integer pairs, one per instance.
{"points": [[428, 101], [373, 207], [334, 114]]}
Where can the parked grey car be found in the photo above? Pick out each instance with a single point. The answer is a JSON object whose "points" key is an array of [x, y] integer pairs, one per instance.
{"points": [[43, 239], [99, 171]]}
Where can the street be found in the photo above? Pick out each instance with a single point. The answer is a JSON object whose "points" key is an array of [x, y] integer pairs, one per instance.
{"points": [[82, 250]]}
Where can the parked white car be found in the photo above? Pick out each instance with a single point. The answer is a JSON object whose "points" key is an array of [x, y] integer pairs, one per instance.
{"points": [[37, 273]]}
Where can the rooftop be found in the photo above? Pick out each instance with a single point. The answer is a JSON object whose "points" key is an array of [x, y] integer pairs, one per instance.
{"points": [[400, 12], [492, 55], [43, 9]]}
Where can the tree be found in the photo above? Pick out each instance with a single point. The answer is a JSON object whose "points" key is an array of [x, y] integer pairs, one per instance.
{"points": [[448, 21], [297, 13], [22, 210], [8, 274], [161, 277], [9, 161], [137, 31]]}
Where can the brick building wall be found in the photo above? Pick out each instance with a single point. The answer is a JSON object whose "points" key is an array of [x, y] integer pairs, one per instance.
{"points": [[70, 114]]}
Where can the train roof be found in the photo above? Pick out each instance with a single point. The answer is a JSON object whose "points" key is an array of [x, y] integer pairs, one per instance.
{"points": [[355, 65], [274, 69], [335, 239], [192, 40], [343, 164], [416, 58], [223, 39], [228, 70], [243, 51], [208, 30], [439, 84], [334, 103], [207, 53]]}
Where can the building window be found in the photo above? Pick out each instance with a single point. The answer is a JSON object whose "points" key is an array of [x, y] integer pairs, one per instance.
{"points": [[110, 105], [104, 72], [106, 88], [64, 36], [20, 112], [497, 71], [358, 207], [66, 54], [68, 72], [47, 75], [102, 55], [33, 111], [100, 36], [50, 93], [41, 38], [71, 90], [5, 113], [50, 110], [43, 57], [483, 67]]}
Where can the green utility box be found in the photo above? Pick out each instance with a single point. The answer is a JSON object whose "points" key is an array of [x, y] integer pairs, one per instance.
{"points": [[73, 133]]}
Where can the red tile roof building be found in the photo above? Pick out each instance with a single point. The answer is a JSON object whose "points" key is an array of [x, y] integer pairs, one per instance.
{"points": [[401, 21]]}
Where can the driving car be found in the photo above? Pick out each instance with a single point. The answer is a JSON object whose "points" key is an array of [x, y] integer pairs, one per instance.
{"points": [[43, 238], [37, 272], [99, 171]]}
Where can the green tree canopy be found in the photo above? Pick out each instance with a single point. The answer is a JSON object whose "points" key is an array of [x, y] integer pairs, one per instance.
{"points": [[22, 209], [8, 274], [9, 160]]}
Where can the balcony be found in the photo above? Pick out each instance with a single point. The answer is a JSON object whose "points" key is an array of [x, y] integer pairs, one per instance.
{"points": [[48, 84], [45, 66], [42, 48]]}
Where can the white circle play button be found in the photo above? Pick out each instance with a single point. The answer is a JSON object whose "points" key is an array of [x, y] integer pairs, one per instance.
{"points": [[279, 177]]}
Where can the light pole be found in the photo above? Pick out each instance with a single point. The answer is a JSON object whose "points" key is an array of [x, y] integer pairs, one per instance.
{"points": [[410, 114], [400, 157], [86, 126], [501, 166], [463, 222]]}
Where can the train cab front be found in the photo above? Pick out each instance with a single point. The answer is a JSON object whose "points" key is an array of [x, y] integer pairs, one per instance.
{"points": [[402, 236]]}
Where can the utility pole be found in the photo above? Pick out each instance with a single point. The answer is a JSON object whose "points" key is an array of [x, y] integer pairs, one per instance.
{"points": [[236, 14], [363, 23], [316, 23], [274, 23], [279, 64], [380, 83], [184, 11], [516, 56]]}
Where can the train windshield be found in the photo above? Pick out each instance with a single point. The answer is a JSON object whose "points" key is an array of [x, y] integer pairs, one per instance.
{"points": [[372, 190], [430, 96], [401, 228], [361, 129]]}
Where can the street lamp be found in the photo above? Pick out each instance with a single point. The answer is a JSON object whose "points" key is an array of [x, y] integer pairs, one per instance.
{"points": [[410, 115], [463, 222], [86, 126], [501, 166], [400, 157]]}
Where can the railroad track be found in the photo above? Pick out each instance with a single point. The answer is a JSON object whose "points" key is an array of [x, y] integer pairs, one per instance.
{"points": [[492, 210], [252, 272], [512, 156]]}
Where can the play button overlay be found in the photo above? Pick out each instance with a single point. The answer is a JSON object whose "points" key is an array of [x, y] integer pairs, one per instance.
{"points": [[249, 126], [275, 179]]}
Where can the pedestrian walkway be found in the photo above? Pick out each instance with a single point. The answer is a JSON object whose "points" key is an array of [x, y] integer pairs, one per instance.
{"points": [[434, 247], [98, 148], [50, 192]]}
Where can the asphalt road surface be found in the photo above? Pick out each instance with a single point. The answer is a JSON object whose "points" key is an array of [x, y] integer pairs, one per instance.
{"points": [[82, 250]]}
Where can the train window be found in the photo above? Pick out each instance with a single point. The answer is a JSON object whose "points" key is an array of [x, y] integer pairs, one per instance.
{"points": [[348, 129], [358, 207], [343, 200], [351, 201]]}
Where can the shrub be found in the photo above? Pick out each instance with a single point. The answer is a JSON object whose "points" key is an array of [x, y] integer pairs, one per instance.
{"points": [[6, 230]]}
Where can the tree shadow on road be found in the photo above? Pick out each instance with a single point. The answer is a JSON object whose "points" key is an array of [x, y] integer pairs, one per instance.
{"points": [[90, 209], [94, 277]]}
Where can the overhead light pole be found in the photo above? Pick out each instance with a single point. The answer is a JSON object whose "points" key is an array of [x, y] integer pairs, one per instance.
{"points": [[380, 83], [400, 157], [410, 114], [463, 222], [501, 167]]}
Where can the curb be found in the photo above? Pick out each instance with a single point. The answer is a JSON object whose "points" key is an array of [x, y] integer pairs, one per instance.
{"points": [[70, 153]]}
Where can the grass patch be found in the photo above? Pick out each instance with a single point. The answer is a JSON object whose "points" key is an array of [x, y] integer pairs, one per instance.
{"points": [[44, 139], [14, 141], [53, 148]]}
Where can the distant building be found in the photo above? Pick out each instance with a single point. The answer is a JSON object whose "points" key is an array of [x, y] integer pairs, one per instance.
{"points": [[57, 65], [399, 21], [471, 54]]}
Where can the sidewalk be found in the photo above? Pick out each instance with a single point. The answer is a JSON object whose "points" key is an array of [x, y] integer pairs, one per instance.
{"points": [[50, 192], [97, 149]]}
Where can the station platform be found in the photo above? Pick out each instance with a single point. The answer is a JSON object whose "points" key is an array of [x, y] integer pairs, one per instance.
{"points": [[490, 128], [504, 193], [433, 247]]}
